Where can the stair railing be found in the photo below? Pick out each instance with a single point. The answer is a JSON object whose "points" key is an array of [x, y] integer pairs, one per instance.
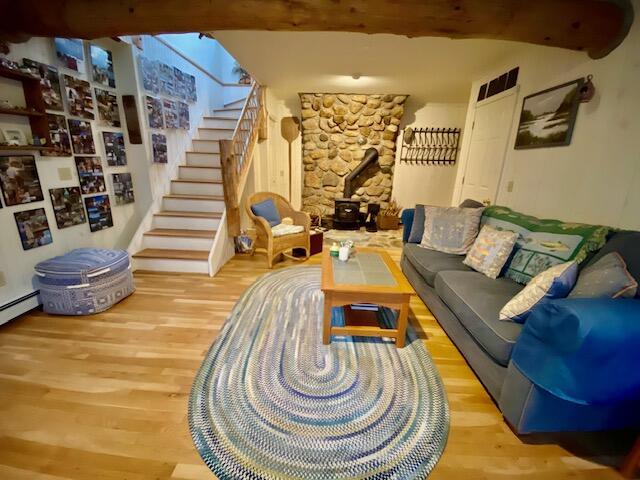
{"points": [[236, 153]]}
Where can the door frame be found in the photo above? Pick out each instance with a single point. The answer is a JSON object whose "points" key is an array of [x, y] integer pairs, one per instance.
{"points": [[500, 96]]}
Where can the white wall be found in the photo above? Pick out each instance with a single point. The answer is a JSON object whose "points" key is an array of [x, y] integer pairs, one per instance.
{"points": [[426, 184], [596, 179]]}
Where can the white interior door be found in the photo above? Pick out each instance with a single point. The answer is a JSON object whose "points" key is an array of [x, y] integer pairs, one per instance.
{"points": [[491, 128], [275, 163]]}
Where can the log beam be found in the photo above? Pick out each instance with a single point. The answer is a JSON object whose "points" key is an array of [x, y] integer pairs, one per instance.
{"points": [[595, 26]]}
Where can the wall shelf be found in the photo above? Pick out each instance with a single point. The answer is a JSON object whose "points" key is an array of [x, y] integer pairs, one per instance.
{"points": [[21, 111], [26, 148]]}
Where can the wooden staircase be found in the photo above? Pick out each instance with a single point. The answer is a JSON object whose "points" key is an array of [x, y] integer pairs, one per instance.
{"points": [[183, 232]]}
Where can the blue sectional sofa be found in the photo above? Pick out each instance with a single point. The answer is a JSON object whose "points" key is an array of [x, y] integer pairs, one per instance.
{"points": [[573, 366]]}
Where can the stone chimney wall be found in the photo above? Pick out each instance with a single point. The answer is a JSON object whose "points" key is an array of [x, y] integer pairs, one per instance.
{"points": [[336, 131]]}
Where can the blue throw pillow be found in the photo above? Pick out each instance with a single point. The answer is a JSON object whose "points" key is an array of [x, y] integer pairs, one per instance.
{"points": [[417, 228], [555, 282], [267, 210]]}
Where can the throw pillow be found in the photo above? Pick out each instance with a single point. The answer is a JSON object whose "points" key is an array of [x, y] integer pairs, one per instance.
{"points": [[608, 277], [450, 229], [491, 251], [543, 243], [471, 203], [555, 282], [417, 227], [267, 210]]}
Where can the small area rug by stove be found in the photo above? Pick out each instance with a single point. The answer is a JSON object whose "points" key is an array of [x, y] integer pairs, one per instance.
{"points": [[270, 401]]}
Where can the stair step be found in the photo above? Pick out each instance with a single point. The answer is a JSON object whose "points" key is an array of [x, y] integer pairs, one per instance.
{"points": [[216, 134], [236, 103], [197, 172], [205, 146], [195, 197], [161, 253], [228, 112], [174, 232], [177, 213], [219, 122]]}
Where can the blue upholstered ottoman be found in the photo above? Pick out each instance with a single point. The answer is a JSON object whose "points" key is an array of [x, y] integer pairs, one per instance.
{"points": [[84, 281]]}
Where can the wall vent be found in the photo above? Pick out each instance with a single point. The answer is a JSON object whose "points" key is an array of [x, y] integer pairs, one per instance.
{"points": [[499, 84]]}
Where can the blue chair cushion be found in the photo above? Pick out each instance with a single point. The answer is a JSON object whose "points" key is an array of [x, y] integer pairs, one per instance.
{"points": [[267, 210]]}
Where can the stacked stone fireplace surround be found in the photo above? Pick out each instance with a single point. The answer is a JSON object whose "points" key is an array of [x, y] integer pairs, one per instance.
{"points": [[336, 131]]}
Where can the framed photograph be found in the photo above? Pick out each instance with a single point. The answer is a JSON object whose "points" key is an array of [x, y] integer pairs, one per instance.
{"points": [[548, 117], [79, 99], [19, 180], [14, 136], [67, 206], [149, 73], [114, 149], [159, 146], [122, 188], [180, 90], [190, 88], [99, 212], [90, 174], [102, 66], [170, 109], [81, 137], [50, 83], [130, 106], [183, 115], [70, 53], [33, 228], [166, 80], [108, 111], [58, 136], [154, 112]]}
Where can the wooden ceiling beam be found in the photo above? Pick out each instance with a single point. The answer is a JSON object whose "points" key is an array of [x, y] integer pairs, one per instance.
{"points": [[594, 26]]}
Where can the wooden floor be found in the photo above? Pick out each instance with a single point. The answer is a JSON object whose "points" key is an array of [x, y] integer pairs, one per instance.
{"points": [[105, 396]]}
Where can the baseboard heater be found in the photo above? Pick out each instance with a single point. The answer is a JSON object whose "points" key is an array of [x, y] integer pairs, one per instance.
{"points": [[15, 302]]}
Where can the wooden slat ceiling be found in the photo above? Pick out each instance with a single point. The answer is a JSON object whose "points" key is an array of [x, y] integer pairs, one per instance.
{"points": [[595, 26]]}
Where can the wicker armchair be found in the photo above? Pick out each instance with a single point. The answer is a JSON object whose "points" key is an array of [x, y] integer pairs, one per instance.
{"points": [[275, 246]]}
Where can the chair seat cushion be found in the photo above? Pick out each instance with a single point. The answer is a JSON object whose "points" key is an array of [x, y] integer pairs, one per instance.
{"points": [[267, 210], [476, 300], [281, 230], [429, 262]]}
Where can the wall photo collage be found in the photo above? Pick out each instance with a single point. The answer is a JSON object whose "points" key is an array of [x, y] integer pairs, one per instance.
{"points": [[68, 93]]}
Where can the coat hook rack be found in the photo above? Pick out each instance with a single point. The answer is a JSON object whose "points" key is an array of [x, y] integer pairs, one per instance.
{"points": [[430, 146]]}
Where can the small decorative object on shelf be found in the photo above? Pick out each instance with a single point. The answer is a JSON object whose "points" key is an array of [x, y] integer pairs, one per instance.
{"points": [[430, 146], [334, 250], [388, 219]]}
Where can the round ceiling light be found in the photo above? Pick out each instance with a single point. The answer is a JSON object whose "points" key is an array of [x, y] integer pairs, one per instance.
{"points": [[355, 76]]}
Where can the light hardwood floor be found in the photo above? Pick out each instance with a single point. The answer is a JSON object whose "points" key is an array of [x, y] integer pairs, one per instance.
{"points": [[105, 396]]}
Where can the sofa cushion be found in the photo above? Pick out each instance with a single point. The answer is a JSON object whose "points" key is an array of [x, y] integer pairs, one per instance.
{"points": [[429, 262], [450, 229], [476, 300], [627, 244]]}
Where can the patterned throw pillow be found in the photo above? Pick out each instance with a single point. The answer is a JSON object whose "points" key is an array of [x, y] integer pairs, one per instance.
{"points": [[450, 229], [555, 282], [543, 243], [491, 251], [608, 278]]}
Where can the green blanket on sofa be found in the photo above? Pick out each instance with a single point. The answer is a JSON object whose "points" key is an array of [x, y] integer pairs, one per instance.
{"points": [[543, 243]]}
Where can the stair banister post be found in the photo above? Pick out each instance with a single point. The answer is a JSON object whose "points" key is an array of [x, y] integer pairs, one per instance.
{"points": [[230, 186]]}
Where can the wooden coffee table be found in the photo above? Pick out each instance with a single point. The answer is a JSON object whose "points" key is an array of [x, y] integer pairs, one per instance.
{"points": [[370, 276]]}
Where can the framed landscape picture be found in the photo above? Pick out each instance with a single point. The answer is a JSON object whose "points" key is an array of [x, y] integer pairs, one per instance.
{"points": [[33, 228], [166, 80], [19, 180], [108, 111], [154, 112], [183, 115], [79, 97], [548, 117], [99, 212], [122, 188], [81, 137], [58, 136], [67, 206], [50, 83], [102, 66], [170, 109], [190, 88], [70, 53], [114, 149], [90, 174], [159, 146]]}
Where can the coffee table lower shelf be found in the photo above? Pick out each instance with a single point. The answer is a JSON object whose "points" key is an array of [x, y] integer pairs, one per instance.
{"points": [[364, 323]]}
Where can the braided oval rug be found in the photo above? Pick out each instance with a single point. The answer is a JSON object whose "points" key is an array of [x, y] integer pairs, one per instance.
{"points": [[270, 401]]}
